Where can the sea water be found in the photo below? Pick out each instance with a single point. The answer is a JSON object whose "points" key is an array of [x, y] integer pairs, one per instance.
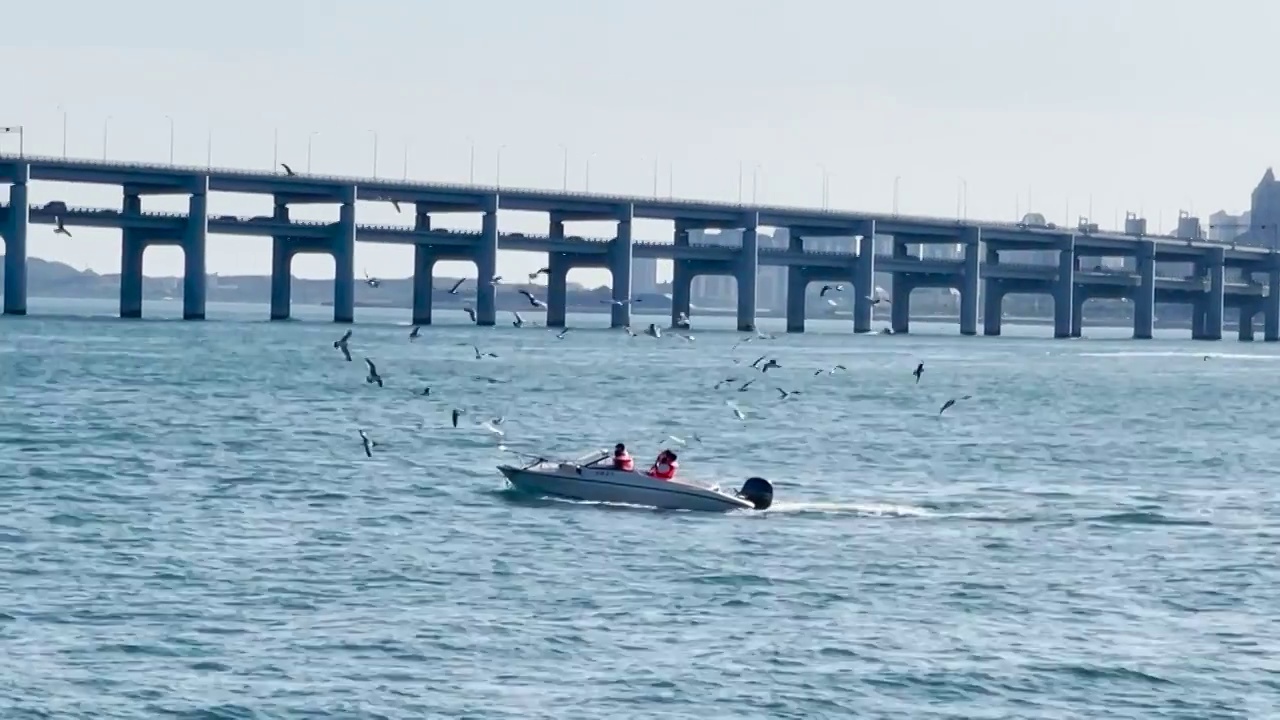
{"points": [[190, 527]]}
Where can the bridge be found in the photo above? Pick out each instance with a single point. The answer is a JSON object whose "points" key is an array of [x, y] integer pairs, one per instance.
{"points": [[879, 243]]}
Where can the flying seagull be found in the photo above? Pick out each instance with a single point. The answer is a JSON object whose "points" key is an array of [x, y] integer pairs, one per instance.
{"points": [[59, 228], [413, 334], [827, 288], [471, 313], [369, 445], [288, 170], [535, 302], [454, 290], [341, 344], [457, 414], [480, 355], [918, 372], [373, 376], [953, 401]]}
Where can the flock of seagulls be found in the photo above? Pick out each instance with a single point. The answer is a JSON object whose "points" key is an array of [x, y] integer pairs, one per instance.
{"points": [[758, 369]]}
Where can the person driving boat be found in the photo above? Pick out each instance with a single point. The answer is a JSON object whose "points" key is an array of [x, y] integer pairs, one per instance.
{"points": [[664, 468], [622, 459]]}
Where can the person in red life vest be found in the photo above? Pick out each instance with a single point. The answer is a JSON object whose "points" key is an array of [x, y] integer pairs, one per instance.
{"points": [[622, 459], [664, 468]]}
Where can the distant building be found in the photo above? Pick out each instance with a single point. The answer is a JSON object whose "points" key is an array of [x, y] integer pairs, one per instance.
{"points": [[1225, 227], [644, 276], [1264, 215]]}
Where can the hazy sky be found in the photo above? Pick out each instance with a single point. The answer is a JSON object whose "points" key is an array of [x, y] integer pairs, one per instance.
{"points": [[1152, 105]]}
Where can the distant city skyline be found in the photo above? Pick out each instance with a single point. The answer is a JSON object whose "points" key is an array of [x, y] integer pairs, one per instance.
{"points": [[949, 128]]}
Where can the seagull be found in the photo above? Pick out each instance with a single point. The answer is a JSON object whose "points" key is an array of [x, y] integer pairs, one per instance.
{"points": [[371, 281], [765, 336], [784, 394], [741, 342], [827, 288], [519, 321], [953, 401], [369, 445], [396, 204], [653, 330], [492, 427], [541, 271], [535, 302], [373, 377], [918, 372], [879, 296], [771, 364], [724, 382], [832, 371], [759, 360], [341, 344], [457, 414], [737, 411], [471, 313], [745, 385], [630, 332], [288, 170], [413, 334], [497, 280], [560, 335], [619, 303], [426, 391], [454, 290], [686, 338], [59, 229], [480, 355]]}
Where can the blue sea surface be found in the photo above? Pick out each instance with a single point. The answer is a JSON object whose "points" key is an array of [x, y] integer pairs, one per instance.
{"points": [[189, 526]]}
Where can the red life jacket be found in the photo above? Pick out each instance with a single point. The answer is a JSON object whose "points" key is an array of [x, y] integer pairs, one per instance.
{"points": [[664, 470], [623, 461]]}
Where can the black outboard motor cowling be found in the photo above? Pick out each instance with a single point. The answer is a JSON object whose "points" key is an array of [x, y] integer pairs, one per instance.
{"points": [[758, 492]]}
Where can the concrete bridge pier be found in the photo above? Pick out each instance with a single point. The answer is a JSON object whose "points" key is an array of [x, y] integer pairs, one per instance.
{"points": [[487, 265], [1271, 306], [344, 259], [1063, 289], [970, 282], [558, 267], [900, 304], [992, 297], [748, 272], [195, 291], [132, 248], [424, 266], [797, 285], [681, 277], [1198, 312], [1216, 265], [864, 280], [1144, 296], [281, 266], [1247, 312], [620, 253], [15, 242], [1078, 297]]}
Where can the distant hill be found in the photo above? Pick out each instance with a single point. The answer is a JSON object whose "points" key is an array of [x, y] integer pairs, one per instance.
{"points": [[54, 279]]}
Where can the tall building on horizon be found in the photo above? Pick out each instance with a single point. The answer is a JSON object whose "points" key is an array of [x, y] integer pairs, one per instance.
{"points": [[644, 276]]}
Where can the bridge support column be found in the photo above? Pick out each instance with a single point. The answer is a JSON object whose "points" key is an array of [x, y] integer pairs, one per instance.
{"points": [[620, 264], [1217, 289], [748, 272], [194, 275], [1063, 289], [281, 267], [681, 290], [132, 248], [1078, 299], [1245, 329], [970, 282], [1144, 297], [557, 289], [15, 243], [797, 285], [344, 259], [681, 277], [992, 296], [864, 280], [487, 265], [424, 265], [1271, 307], [900, 307], [1198, 320]]}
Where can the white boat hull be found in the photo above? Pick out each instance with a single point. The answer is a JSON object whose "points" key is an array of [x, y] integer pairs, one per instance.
{"points": [[602, 484]]}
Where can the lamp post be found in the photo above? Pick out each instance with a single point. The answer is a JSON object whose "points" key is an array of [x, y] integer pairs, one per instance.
{"points": [[497, 174], [106, 126], [171, 136], [375, 152], [64, 131], [564, 171]]}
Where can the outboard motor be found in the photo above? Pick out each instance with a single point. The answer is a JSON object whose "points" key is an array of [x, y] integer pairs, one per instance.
{"points": [[758, 492]]}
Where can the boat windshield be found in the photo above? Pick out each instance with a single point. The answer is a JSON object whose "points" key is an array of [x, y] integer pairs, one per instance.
{"points": [[593, 457]]}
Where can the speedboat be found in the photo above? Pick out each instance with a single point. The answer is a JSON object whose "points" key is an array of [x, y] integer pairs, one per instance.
{"points": [[593, 479]]}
